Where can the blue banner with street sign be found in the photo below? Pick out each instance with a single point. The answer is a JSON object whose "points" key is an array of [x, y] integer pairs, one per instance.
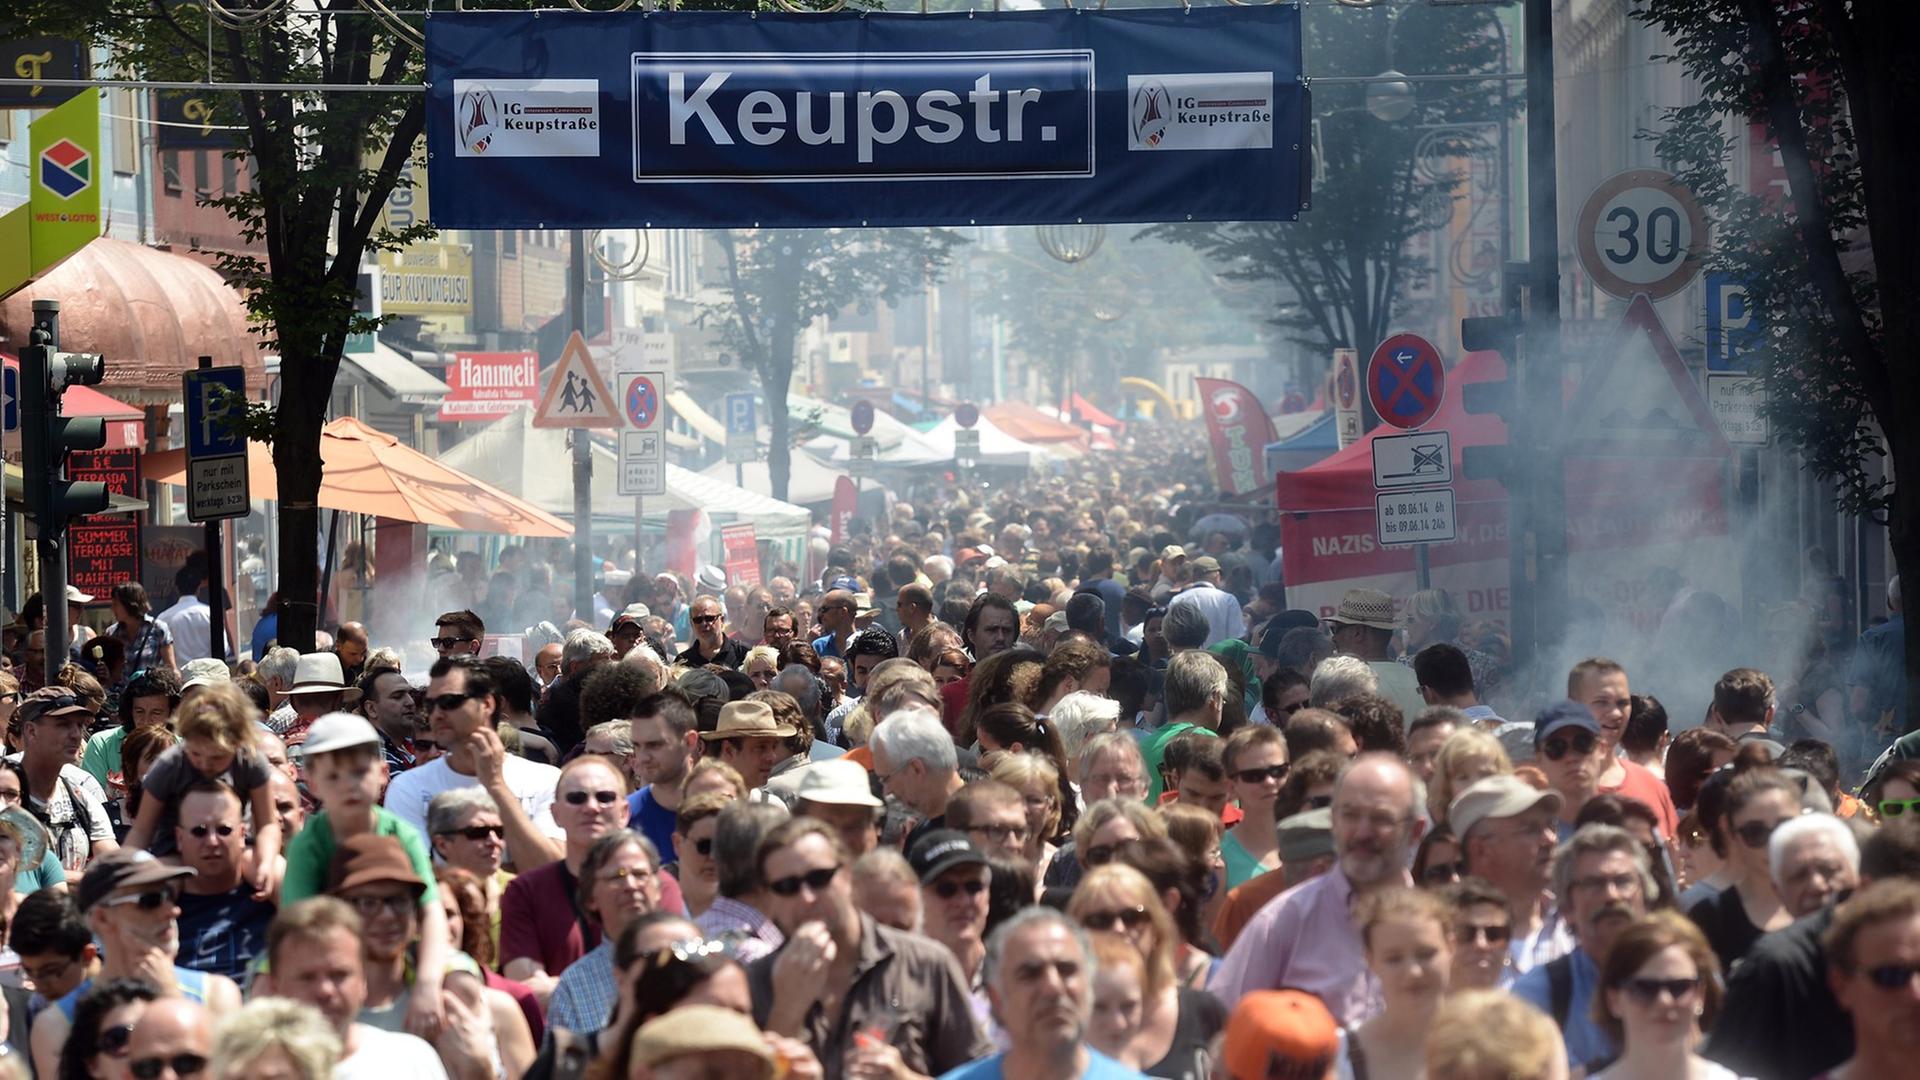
{"points": [[731, 120]]}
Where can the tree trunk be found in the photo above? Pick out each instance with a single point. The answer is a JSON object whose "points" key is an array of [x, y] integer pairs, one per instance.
{"points": [[774, 380], [296, 462]]}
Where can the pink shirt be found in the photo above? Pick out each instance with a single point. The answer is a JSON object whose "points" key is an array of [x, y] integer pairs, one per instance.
{"points": [[1304, 939]]}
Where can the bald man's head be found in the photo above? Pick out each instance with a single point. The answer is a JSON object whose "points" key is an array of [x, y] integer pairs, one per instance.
{"points": [[1375, 820], [171, 1032]]}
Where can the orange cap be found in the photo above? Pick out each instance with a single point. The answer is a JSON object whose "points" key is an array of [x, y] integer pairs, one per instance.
{"points": [[1280, 1035]]}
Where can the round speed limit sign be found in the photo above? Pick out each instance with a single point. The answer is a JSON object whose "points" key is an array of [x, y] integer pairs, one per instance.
{"points": [[1642, 231]]}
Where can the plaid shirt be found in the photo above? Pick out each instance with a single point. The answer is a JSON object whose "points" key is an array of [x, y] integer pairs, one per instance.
{"points": [[584, 997], [743, 927]]}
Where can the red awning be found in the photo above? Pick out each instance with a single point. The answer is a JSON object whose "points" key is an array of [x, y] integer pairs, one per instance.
{"points": [[1081, 409], [124, 422]]}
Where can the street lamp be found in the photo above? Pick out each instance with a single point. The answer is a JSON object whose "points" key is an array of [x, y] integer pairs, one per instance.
{"points": [[1390, 97], [1070, 244]]}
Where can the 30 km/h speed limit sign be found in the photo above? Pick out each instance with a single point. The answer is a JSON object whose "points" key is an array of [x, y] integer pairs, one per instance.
{"points": [[1642, 231]]}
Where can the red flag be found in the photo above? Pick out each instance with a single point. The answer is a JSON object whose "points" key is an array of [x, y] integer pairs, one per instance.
{"points": [[1239, 429], [846, 501]]}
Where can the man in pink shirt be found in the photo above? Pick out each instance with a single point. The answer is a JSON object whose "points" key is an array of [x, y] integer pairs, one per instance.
{"points": [[1601, 685], [1305, 938]]}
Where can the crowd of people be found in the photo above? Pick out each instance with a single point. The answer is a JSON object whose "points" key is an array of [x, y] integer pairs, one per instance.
{"points": [[1035, 793]]}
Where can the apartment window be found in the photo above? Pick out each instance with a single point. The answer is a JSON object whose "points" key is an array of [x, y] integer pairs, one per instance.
{"points": [[200, 174], [126, 132], [510, 243], [229, 174], [6, 125], [170, 172]]}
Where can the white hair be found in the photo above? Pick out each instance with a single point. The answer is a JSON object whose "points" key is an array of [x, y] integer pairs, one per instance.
{"points": [[915, 733], [938, 567], [583, 645], [1794, 830], [1338, 678], [1080, 716], [278, 666]]}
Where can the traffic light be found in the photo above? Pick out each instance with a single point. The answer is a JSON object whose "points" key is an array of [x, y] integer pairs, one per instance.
{"points": [[46, 437], [1501, 334]]}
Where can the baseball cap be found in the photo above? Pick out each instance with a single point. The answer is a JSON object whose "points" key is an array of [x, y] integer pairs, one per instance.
{"points": [[50, 701], [845, 581], [1501, 796], [698, 1029], [75, 596], [125, 867], [940, 851], [1307, 835], [206, 671], [1560, 716], [837, 782], [338, 731], [967, 555], [1172, 551], [1205, 564], [1279, 1035]]}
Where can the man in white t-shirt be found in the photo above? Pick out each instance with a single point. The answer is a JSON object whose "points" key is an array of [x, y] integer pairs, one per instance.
{"points": [[190, 620], [462, 707], [315, 952]]}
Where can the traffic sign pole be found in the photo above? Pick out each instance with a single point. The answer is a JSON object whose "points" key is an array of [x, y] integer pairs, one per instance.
{"points": [[216, 593]]}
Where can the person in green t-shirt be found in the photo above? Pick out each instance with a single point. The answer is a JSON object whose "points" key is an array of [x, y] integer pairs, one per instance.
{"points": [[346, 773], [1194, 694], [148, 701]]}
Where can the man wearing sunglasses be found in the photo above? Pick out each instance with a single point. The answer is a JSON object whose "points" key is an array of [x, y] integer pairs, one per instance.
{"points": [[1506, 832], [711, 644], [130, 900], [847, 986], [222, 927], [173, 1038], [953, 894], [835, 616], [458, 633], [1567, 747]]}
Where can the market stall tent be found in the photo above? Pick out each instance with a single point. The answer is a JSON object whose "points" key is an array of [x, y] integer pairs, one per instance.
{"points": [[996, 446], [808, 481]]}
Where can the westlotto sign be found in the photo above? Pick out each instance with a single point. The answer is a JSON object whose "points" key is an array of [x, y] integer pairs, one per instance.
{"points": [[488, 386], [728, 119]]}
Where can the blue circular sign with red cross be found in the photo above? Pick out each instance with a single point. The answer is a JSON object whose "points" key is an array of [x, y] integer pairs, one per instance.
{"points": [[643, 402], [1405, 379]]}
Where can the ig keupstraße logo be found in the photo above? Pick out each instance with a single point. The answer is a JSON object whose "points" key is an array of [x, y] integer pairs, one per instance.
{"points": [[1225, 403], [479, 118], [1149, 113]]}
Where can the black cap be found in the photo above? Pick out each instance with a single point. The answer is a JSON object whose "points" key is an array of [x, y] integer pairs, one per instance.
{"points": [[940, 851]]}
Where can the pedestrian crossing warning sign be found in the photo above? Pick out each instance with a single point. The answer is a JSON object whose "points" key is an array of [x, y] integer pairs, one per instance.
{"points": [[576, 396]]}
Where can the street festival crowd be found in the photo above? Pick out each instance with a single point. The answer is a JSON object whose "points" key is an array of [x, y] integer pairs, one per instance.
{"points": [[1042, 781]]}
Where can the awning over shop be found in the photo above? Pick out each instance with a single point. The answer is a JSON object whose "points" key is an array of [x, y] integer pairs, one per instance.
{"points": [[124, 422], [116, 504], [151, 313], [809, 482], [396, 375], [996, 446], [687, 409], [369, 472], [1028, 424]]}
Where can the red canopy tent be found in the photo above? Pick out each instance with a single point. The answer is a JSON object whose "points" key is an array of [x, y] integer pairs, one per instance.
{"points": [[1087, 412]]}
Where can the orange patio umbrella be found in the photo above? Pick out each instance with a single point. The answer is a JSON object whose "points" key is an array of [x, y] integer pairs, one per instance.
{"points": [[369, 472]]}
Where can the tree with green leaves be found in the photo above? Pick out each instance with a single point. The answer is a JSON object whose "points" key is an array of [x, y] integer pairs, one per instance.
{"points": [[321, 164], [1344, 263], [1832, 84], [780, 280]]}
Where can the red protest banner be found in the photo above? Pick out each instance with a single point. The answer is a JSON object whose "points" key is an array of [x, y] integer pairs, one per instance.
{"points": [[743, 554]]}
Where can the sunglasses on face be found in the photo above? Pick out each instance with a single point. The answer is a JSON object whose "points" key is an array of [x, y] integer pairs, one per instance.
{"points": [[604, 798], [450, 642], [479, 832], [181, 1064], [704, 847], [1319, 802], [151, 900], [1001, 833], [1892, 976], [812, 879], [1556, 748], [113, 1041], [370, 906], [451, 701], [1102, 854], [1272, 772], [1892, 808], [199, 832], [1649, 991], [1496, 934], [702, 620], [1132, 918], [947, 890], [1755, 834], [1445, 873]]}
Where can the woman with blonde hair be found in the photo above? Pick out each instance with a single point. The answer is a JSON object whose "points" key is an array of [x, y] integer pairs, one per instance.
{"points": [[1408, 937], [1038, 783], [1193, 829], [1469, 754], [1176, 1022], [1659, 988], [1492, 1035], [761, 665], [276, 1038], [1110, 823]]}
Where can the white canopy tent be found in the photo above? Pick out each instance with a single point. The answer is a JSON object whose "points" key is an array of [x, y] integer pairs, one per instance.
{"points": [[536, 464], [809, 480], [996, 446]]}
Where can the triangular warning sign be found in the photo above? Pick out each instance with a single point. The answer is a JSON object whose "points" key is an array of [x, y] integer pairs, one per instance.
{"points": [[1638, 395], [576, 395]]}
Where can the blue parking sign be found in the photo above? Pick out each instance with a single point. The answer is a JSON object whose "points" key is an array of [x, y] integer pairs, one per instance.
{"points": [[740, 419], [208, 433], [1733, 331]]}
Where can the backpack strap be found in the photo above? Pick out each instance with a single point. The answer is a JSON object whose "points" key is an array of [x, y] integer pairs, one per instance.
{"points": [[1560, 989]]}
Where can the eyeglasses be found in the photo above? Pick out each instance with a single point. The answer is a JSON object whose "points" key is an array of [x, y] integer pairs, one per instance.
{"points": [[450, 701], [479, 832], [702, 620], [199, 832], [114, 1041], [1483, 933], [49, 973], [450, 642], [1755, 834], [1000, 833], [1648, 991], [1441, 873], [689, 950], [370, 906], [1893, 976], [1582, 743], [627, 875], [181, 1064], [947, 890], [604, 798], [1889, 808], [1132, 918], [1275, 773], [812, 879], [151, 900]]}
